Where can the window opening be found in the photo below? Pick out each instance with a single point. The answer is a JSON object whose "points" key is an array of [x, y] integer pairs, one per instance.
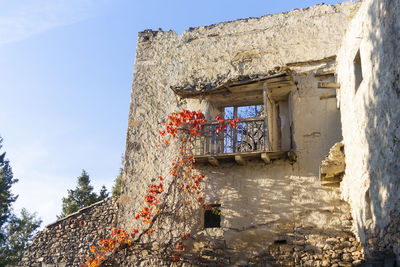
{"points": [[368, 211], [249, 111], [212, 216], [249, 134], [358, 77], [262, 128]]}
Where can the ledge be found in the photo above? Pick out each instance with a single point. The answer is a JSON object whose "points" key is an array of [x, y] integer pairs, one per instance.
{"points": [[242, 157]]}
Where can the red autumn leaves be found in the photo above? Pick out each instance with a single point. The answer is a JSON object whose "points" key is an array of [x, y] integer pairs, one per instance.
{"points": [[185, 124], [223, 123]]}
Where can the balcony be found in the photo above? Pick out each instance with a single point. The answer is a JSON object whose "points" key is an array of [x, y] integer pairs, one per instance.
{"points": [[267, 135], [248, 141]]}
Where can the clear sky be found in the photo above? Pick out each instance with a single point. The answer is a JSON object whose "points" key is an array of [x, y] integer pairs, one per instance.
{"points": [[65, 80]]}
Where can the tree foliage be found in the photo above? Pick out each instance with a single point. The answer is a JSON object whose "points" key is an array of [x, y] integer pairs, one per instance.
{"points": [[15, 232], [82, 196], [116, 189], [6, 197], [19, 233]]}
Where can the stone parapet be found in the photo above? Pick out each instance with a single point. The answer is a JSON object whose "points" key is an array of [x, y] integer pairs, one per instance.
{"points": [[66, 242]]}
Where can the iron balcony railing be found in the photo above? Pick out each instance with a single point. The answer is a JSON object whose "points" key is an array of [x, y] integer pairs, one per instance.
{"points": [[249, 136]]}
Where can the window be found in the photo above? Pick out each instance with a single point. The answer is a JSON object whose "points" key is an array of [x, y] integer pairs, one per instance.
{"points": [[212, 216], [358, 77], [265, 127], [249, 134]]}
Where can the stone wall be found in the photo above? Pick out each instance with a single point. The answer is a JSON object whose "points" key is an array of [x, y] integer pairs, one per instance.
{"points": [[371, 123], [66, 242], [204, 55], [261, 205]]}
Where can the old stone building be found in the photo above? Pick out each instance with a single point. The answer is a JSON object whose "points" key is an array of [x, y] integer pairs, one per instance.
{"points": [[288, 190]]}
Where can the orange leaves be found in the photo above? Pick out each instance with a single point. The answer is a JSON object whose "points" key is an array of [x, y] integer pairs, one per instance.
{"points": [[223, 124], [118, 238], [179, 246], [175, 257], [98, 258], [234, 123], [96, 261], [185, 236], [148, 232], [184, 120], [182, 126]]}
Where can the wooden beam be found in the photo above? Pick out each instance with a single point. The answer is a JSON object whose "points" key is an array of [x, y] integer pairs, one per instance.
{"points": [[245, 102], [265, 158], [275, 130], [234, 130], [213, 161], [334, 179], [311, 62], [270, 123], [266, 129], [239, 160], [327, 95], [325, 74], [328, 85], [337, 185]]}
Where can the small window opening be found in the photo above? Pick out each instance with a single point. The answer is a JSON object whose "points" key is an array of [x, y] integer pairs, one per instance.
{"points": [[357, 71], [280, 241], [212, 216]]}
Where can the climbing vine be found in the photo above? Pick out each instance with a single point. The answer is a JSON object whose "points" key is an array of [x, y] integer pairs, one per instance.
{"points": [[166, 202]]}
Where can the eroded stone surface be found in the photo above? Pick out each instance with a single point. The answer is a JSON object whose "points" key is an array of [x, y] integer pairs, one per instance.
{"points": [[66, 242], [370, 122], [333, 166]]}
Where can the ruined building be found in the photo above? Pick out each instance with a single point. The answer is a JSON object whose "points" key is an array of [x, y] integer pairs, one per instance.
{"points": [[311, 175]]}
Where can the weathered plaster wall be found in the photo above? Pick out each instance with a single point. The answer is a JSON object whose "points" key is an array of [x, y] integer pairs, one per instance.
{"points": [[204, 55], [261, 203], [258, 200], [371, 123], [66, 242]]}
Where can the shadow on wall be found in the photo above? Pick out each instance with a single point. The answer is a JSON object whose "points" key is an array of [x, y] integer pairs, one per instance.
{"points": [[382, 106], [262, 203]]}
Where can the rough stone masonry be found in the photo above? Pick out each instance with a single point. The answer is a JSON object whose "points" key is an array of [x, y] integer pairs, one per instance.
{"points": [[66, 242], [342, 65]]}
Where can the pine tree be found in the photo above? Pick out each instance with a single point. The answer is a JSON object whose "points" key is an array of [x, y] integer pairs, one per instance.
{"points": [[19, 233], [15, 232], [6, 197], [82, 196], [116, 189], [103, 193]]}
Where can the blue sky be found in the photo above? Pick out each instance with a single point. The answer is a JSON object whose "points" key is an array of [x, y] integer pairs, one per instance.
{"points": [[65, 80]]}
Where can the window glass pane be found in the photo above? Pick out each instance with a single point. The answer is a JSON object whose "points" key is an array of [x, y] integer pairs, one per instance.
{"points": [[249, 111], [228, 113]]}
